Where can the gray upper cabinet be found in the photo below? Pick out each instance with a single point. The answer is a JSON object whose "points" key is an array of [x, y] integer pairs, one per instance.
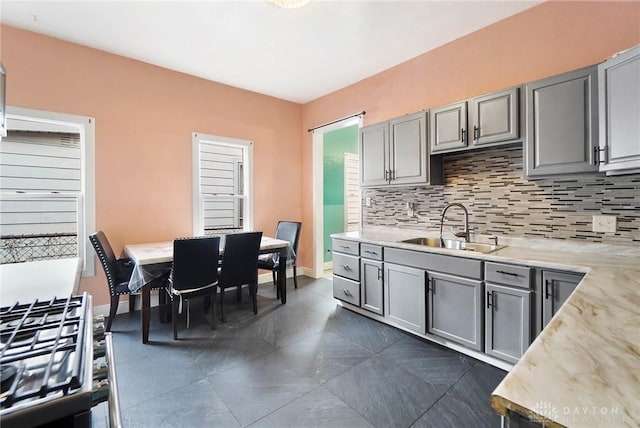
{"points": [[408, 148], [374, 153], [449, 127], [508, 318], [405, 297], [495, 117], [395, 153], [619, 108], [556, 289], [455, 309], [562, 124]]}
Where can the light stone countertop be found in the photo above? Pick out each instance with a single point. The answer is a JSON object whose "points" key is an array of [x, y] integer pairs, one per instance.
{"points": [[583, 369]]}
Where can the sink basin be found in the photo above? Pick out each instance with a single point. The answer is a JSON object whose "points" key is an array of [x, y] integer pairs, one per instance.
{"points": [[454, 244]]}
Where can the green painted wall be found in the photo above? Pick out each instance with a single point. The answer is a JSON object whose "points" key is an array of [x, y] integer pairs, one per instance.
{"points": [[335, 145]]}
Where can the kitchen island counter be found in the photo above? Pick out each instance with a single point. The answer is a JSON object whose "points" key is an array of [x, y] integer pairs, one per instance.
{"points": [[583, 368]]}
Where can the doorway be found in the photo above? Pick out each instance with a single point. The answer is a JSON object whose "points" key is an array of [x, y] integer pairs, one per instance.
{"points": [[336, 193]]}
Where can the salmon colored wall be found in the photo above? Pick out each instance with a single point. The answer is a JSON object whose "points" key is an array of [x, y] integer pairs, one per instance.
{"points": [[144, 118], [545, 40]]}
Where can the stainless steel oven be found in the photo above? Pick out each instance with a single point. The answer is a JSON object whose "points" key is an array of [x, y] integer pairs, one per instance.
{"points": [[57, 363]]}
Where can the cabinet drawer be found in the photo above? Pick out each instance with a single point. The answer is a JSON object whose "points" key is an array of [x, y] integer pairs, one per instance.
{"points": [[369, 251], [346, 290], [347, 266], [347, 247], [518, 276]]}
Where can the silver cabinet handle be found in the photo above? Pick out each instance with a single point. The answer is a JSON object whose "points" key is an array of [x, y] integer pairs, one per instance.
{"points": [[375, 253], [347, 292], [507, 273], [346, 267]]}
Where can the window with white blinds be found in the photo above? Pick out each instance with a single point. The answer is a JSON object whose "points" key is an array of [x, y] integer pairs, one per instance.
{"points": [[46, 183], [221, 184]]}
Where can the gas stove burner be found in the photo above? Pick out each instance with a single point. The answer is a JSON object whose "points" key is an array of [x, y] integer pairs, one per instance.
{"points": [[7, 375]]}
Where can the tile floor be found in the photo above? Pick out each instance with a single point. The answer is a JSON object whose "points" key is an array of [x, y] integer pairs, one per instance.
{"points": [[308, 363]]}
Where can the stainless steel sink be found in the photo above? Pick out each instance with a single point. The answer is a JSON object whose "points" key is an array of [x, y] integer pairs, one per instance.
{"points": [[454, 244]]}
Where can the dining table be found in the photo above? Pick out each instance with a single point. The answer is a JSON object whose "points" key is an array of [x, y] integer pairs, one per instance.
{"points": [[154, 259]]}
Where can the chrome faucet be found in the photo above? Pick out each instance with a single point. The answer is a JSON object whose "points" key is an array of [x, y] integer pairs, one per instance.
{"points": [[463, 234]]}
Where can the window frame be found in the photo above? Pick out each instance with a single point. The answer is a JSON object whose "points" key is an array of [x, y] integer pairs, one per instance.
{"points": [[197, 201], [87, 198]]}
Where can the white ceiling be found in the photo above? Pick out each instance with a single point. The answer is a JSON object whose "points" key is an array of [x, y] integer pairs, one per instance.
{"points": [[293, 54]]}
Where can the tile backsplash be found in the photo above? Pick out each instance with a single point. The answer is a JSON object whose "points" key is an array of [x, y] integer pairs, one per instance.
{"points": [[502, 202]]}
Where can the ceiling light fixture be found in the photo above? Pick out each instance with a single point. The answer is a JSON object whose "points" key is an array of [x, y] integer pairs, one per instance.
{"points": [[290, 4]]}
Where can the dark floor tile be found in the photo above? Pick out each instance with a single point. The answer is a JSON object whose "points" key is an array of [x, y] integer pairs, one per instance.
{"points": [[385, 394], [318, 408], [428, 361], [257, 387], [366, 332], [194, 405], [452, 412], [476, 386]]}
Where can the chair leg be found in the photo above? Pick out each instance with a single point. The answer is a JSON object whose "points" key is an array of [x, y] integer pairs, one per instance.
{"points": [[212, 300], [132, 302], [295, 277], [273, 273], [222, 318], [174, 318], [253, 288], [112, 310], [165, 312]]}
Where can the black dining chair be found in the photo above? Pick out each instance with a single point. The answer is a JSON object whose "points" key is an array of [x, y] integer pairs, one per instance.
{"points": [[287, 231], [194, 274], [240, 266], [118, 273]]}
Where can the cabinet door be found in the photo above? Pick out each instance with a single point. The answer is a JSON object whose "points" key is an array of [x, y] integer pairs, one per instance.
{"points": [[562, 124], [408, 146], [448, 127], [374, 154], [405, 299], [455, 309], [619, 85], [508, 318], [495, 117], [372, 286], [556, 289]]}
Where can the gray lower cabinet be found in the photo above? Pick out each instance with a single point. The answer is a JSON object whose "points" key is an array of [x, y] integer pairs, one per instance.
{"points": [[405, 296], [495, 117], [372, 298], [619, 108], [508, 321], [562, 124], [556, 289], [455, 309]]}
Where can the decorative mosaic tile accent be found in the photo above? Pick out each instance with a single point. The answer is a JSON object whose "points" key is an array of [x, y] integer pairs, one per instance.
{"points": [[500, 201]]}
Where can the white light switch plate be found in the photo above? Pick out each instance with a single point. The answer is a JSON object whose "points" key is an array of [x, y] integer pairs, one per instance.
{"points": [[604, 223], [367, 201]]}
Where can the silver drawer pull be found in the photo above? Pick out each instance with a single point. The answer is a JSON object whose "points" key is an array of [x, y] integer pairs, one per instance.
{"points": [[345, 247], [347, 292], [507, 273], [371, 252], [346, 267]]}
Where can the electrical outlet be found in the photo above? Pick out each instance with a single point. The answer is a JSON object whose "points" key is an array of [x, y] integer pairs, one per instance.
{"points": [[604, 223], [367, 201]]}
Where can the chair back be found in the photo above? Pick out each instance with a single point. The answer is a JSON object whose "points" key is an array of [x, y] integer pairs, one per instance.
{"points": [[290, 231], [195, 262], [240, 259], [107, 259]]}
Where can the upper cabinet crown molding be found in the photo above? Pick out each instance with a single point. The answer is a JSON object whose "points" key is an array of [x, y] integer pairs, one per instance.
{"points": [[493, 119], [562, 124], [619, 109]]}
